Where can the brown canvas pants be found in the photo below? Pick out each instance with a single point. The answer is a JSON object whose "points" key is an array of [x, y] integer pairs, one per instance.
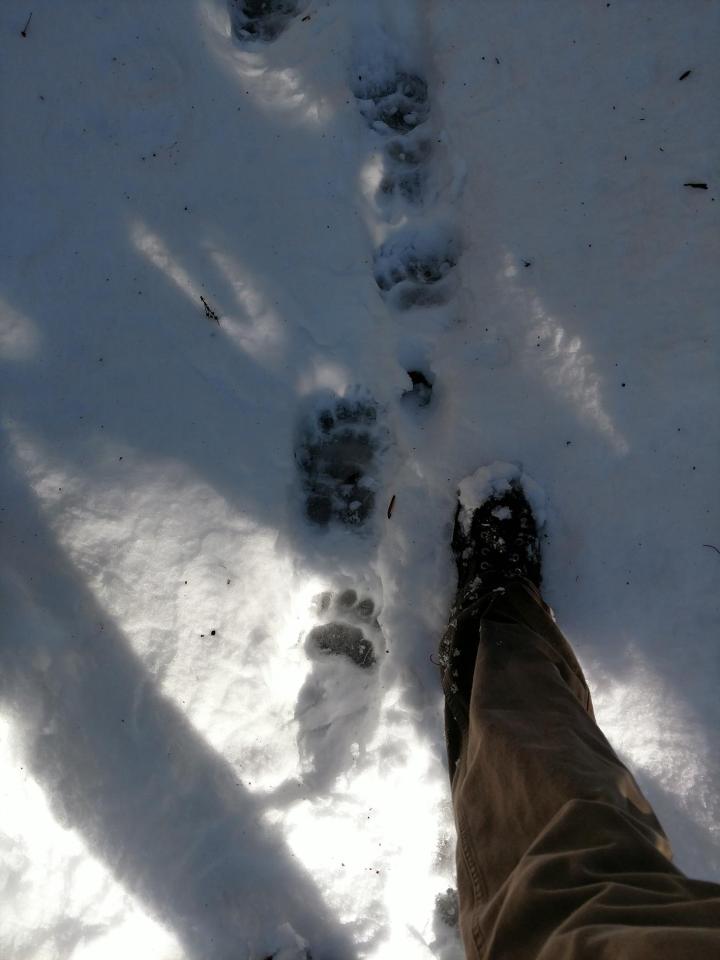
{"points": [[559, 854]]}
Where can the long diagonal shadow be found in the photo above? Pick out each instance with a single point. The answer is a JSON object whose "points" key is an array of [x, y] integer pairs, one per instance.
{"points": [[124, 767]]}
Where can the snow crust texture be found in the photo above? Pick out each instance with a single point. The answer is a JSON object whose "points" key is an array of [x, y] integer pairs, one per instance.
{"points": [[275, 276]]}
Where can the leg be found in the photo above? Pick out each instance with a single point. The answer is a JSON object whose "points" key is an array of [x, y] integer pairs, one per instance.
{"points": [[559, 854]]}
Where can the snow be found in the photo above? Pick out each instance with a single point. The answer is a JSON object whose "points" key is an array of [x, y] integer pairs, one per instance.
{"points": [[162, 792], [494, 480]]}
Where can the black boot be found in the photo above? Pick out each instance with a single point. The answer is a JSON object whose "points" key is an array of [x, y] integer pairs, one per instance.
{"points": [[494, 544], [497, 543]]}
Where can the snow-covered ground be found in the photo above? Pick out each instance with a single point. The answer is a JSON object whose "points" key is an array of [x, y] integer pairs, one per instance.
{"points": [[184, 773]]}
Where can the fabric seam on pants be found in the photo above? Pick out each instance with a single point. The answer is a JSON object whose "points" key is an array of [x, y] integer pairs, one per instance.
{"points": [[476, 874]]}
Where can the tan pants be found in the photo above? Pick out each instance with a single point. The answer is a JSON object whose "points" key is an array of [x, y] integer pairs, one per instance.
{"points": [[559, 854]]}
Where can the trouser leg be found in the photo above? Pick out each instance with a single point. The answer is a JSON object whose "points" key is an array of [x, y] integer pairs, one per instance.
{"points": [[559, 853]]}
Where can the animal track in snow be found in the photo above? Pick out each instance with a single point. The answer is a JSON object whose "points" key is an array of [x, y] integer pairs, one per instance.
{"points": [[263, 20], [421, 390], [405, 168], [337, 456], [343, 636], [415, 267], [336, 708], [408, 152], [407, 184], [395, 101]]}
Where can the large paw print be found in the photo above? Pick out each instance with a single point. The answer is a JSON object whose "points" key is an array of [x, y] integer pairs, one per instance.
{"points": [[337, 458]]}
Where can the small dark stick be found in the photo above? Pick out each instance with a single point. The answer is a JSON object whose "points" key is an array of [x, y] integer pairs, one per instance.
{"points": [[209, 312], [391, 506], [712, 547], [696, 184], [684, 76], [23, 32]]}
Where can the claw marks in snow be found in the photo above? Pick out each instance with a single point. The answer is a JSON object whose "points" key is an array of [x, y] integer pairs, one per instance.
{"points": [[337, 455], [263, 20], [336, 709], [414, 267], [405, 168], [394, 101], [345, 635]]}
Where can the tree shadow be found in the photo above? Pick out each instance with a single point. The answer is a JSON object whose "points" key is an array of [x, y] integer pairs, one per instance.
{"points": [[125, 371], [124, 767], [124, 356]]}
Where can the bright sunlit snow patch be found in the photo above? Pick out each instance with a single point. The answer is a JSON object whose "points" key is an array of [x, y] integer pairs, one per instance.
{"points": [[154, 249], [323, 375], [57, 884], [177, 599], [282, 90], [19, 337], [664, 742], [561, 359], [261, 335], [161, 569], [370, 176], [375, 846]]}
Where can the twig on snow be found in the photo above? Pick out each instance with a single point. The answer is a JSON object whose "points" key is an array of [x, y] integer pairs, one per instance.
{"points": [[209, 312]]}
